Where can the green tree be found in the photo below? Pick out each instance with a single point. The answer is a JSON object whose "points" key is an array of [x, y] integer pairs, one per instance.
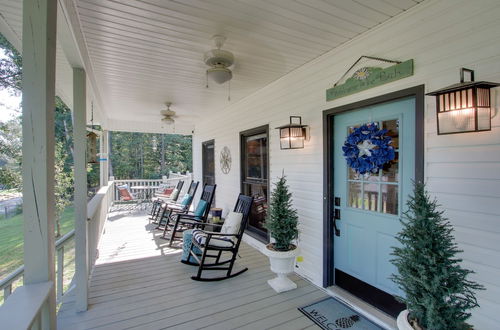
{"points": [[282, 220], [10, 67], [438, 293], [63, 187], [149, 156], [10, 153]]}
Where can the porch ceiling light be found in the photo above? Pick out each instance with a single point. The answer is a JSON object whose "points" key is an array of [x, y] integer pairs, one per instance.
{"points": [[464, 107], [292, 136], [219, 74]]}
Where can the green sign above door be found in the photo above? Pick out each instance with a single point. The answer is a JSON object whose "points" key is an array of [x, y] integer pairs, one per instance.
{"points": [[368, 77]]}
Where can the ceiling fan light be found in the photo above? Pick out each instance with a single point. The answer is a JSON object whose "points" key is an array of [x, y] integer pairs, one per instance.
{"points": [[220, 74], [168, 120]]}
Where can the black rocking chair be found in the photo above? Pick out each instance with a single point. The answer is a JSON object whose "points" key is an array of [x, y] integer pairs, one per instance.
{"points": [[182, 207], [196, 219], [162, 199], [213, 244]]}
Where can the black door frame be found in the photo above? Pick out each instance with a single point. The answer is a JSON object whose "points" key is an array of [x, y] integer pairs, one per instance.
{"points": [[203, 147], [328, 120], [254, 131]]}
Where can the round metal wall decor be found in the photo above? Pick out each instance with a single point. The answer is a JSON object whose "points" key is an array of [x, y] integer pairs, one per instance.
{"points": [[225, 160]]}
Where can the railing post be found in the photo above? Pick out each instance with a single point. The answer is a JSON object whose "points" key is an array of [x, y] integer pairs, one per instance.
{"points": [[80, 150], [105, 155], [7, 291], [60, 273], [39, 59]]}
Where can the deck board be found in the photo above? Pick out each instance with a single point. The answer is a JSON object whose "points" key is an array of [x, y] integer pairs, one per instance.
{"points": [[139, 283]]}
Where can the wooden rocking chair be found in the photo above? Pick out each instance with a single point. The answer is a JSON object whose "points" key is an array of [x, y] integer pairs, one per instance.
{"points": [[183, 221], [213, 244]]}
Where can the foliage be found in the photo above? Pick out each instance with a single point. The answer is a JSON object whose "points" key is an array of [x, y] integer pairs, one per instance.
{"points": [[149, 156], [10, 67], [9, 178], [63, 187], [282, 219], [10, 153], [438, 293]]}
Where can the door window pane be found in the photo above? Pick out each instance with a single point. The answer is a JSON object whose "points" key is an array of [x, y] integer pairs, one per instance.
{"points": [[390, 199], [355, 195], [390, 171], [370, 196]]}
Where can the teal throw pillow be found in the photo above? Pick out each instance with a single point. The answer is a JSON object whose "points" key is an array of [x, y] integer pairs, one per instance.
{"points": [[200, 209], [185, 200]]}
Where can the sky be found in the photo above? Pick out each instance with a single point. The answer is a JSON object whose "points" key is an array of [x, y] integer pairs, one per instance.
{"points": [[10, 106]]}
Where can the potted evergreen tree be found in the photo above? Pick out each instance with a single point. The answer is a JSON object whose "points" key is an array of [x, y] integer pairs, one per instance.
{"points": [[438, 294], [282, 224]]}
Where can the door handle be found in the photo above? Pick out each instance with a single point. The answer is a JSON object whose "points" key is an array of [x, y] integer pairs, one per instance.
{"points": [[335, 228]]}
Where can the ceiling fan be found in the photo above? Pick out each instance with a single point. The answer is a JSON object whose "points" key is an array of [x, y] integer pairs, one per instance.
{"points": [[219, 62], [168, 116]]}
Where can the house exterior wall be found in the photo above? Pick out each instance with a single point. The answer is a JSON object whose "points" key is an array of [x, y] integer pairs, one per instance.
{"points": [[462, 170]]}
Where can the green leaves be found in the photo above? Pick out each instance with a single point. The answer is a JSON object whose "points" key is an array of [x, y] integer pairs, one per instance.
{"points": [[282, 219], [438, 293], [140, 155]]}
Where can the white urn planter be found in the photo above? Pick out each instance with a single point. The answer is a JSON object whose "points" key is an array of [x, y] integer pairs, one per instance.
{"points": [[402, 321], [282, 263]]}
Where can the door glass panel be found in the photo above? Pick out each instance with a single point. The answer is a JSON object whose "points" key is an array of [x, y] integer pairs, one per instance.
{"points": [[208, 161], [353, 175], [390, 198], [377, 192], [390, 171], [254, 178], [355, 195], [392, 127], [370, 196]]}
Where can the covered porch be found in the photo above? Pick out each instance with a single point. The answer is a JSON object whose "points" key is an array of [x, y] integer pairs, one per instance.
{"points": [[117, 64]]}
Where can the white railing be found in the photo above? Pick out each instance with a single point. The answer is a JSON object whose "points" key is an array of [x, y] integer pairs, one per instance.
{"points": [[26, 307], [7, 283], [97, 212], [152, 185]]}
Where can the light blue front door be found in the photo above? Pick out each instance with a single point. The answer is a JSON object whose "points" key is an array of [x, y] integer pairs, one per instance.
{"points": [[370, 206]]}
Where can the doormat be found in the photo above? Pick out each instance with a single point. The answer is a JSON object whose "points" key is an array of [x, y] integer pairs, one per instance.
{"points": [[331, 314]]}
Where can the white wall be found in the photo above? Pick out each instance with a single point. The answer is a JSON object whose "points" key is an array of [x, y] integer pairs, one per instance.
{"points": [[462, 171]]}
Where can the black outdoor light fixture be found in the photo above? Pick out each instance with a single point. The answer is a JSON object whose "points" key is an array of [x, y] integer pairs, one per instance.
{"points": [[292, 136], [465, 106]]}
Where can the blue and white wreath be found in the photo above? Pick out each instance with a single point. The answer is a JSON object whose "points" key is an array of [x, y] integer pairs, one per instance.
{"points": [[368, 148]]}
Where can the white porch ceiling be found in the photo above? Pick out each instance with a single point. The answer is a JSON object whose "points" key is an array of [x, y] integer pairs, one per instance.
{"points": [[146, 52]]}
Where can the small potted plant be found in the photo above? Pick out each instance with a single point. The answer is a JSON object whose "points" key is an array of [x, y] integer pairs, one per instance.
{"points": [[282, 224], [437, 291]]}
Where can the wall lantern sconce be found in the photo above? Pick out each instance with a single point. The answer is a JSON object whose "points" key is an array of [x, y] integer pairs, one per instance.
{"points": [[292, 136], [464, 107]]}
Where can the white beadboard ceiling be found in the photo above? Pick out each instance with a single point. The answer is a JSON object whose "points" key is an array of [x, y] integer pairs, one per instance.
{"points": [[146, 52]]}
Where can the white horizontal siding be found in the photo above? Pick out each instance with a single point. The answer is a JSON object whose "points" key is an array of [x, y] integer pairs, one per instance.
{"points": [[462, 171]]}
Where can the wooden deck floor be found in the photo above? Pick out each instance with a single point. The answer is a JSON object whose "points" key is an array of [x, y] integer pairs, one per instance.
{"points": [[139, 283]]}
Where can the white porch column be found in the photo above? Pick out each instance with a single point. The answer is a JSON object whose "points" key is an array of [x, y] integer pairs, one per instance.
{"points": [[39, 55], [104, 164], [80, 160]]}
